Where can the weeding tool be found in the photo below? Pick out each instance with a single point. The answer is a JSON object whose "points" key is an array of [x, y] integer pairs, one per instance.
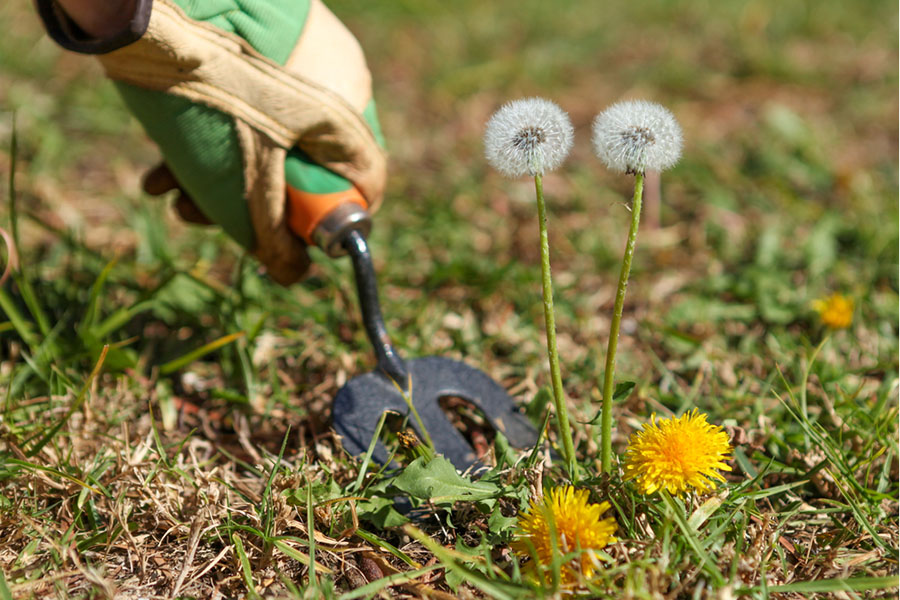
{"points": [[329, 212]]}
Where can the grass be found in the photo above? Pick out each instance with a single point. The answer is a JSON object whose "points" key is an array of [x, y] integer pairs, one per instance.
{"points": [[165, 408]]}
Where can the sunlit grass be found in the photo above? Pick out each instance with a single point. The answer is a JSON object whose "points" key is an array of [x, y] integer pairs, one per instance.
{"points": [[165, 407]]}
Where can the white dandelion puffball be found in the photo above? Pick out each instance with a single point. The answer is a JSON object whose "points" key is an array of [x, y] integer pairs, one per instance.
{"points": [[528, 137], [636, 136]]}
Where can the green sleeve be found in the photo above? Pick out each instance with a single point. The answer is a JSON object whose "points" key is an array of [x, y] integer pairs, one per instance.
{"points": [[200, 143]]}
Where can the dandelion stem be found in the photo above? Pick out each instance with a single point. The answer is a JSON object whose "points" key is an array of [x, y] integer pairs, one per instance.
{"points": [[609, 372], [562, 415]]}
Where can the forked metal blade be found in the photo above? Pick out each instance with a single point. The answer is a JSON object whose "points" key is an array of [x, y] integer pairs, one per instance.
{"points": [[360, 403]]}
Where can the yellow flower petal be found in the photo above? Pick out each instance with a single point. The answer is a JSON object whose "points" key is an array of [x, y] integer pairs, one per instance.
{"points": [[836, 311], [578, 527], [677, 454]]}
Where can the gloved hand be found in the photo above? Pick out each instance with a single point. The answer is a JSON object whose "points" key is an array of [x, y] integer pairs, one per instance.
{"points": [[226, 88]]}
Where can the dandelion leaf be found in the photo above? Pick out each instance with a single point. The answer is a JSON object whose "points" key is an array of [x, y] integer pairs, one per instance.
{"points": [[438, 481]]}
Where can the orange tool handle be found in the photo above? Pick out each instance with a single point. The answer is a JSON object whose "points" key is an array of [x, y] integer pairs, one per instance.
{"points": [[306, 210], [313, 193]]}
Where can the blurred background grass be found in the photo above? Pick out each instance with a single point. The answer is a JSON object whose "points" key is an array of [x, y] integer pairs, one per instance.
{"points": [[787, 191]]}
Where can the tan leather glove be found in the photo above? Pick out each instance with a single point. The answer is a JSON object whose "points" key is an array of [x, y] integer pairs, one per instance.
{"points": [[226, 93]]}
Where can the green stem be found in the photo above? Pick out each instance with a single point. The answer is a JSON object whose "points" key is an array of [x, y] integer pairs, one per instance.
{"points": [[407, 397], [805, 383], [609, 373], [562, 414]]}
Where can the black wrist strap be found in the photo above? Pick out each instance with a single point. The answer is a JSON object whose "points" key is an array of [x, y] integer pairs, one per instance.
{"points": [[70, 36]]}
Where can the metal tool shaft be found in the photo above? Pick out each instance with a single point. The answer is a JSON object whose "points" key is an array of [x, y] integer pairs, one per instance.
{"points": [[367, 289]]}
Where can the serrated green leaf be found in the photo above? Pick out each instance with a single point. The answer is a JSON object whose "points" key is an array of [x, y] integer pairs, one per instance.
{"points": [[439, 482], [497, 522], [380, 512]]}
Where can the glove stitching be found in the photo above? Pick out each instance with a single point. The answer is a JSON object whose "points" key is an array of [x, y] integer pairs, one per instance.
{"points": [[240, 49]]}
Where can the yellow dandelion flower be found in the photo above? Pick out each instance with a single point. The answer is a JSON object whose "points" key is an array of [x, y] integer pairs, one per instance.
{"points": [[836, 311], [678, 453], [578, 528]]}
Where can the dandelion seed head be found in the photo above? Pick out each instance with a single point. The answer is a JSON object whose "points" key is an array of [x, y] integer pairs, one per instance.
{"points": [[528, 137], [677, 454], [635, 136], [579, 529], [836, 311]]}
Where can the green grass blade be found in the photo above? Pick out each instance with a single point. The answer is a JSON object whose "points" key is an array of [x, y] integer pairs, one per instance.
{"points": [[377, 541], [364, 466], [497, 589], [174, 365], [299, 556], [5, 592], [30, 299], [55, 472], [257, 327], [79, 400], [246, 570], [90, 313], [825, 586], [21, 278], [311, 530], [539, 442], [744, 463], [266, 504], [707, 563], [22, 326], [860, 517], [370, 590], [11, 182], [775, 490]]}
